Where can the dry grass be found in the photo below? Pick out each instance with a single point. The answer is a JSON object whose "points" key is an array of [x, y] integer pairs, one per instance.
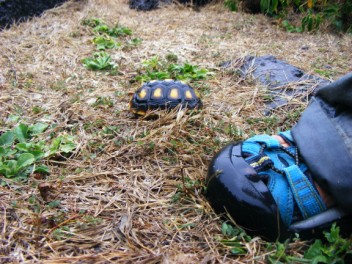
{"points": [[135, 194]]}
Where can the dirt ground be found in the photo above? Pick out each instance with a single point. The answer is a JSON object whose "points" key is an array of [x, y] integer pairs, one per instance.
{"points": [[132, 191]]}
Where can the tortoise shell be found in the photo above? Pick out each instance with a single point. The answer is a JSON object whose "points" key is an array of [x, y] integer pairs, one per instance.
{"points": [[166, 94]]}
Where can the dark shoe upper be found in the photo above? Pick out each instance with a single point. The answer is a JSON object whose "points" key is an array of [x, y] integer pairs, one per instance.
{"points": [[235, 188], [324, 139], [323, 136]]}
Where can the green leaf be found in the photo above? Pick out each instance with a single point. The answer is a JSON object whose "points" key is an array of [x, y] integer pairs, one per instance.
{"points": [[63, 144], [238, 250], [334, 234], [67, 147], [159, 75], [99, 61], [21, 132], [12, 119], [23, 146], [7, 152], [37, 149], [92, 22], [4, 170], [38, 128], [228, 230], [7, 139], [314, 250], [320, 259], [120, 31], [8, 169], [55, 144], [42, 169], [103, 43], [101, 28], [38, 154], [54, 204], [224, 228], [25, 160], [134, 41]]}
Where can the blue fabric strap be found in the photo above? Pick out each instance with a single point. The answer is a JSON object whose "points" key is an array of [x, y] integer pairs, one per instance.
{"points": [[286, 179], [269, 141], [283, 196], [306, 197]]}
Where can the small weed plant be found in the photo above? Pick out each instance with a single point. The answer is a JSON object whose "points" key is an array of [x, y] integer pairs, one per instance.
{"points": [[100, 61], [100, 27], [22, 152], [234, 238], [106, 42], [106, 38], [187, 187], [334, 250], [156, 69], [103, 101]]}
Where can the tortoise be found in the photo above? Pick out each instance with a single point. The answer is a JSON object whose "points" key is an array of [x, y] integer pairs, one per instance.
{"points": [[164, 94]]}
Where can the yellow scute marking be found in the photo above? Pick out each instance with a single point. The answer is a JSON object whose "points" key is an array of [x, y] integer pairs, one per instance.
{"points": [[188, 95], [174, 93], [157, 92], [142, 93]]}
